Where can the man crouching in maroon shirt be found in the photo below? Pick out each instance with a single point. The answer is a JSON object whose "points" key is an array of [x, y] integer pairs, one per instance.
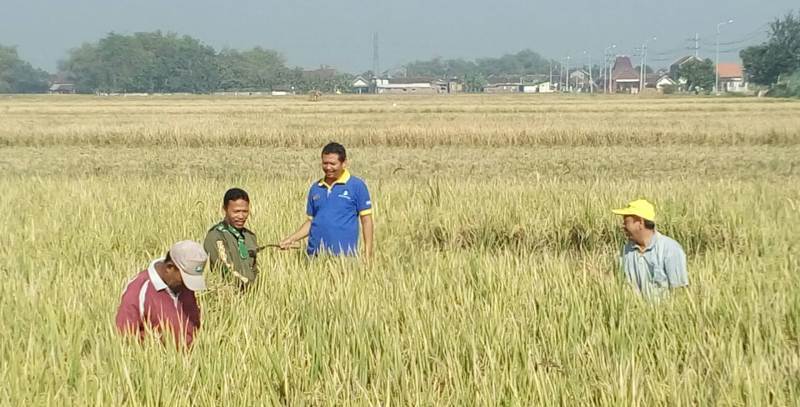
{"points": [[162, 297]]}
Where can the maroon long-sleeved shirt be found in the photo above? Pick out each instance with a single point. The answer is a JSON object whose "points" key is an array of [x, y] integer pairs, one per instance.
{"points": [[149, 302]]}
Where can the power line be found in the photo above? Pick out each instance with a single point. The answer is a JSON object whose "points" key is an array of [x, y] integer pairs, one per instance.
{"points": [[753, 35]]}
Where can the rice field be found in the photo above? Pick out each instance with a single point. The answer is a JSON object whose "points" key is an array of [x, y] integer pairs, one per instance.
{"points": [[495, 280]]}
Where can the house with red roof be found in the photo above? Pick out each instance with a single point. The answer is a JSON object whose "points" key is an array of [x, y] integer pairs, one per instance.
{"points": [[624, 77], [731, 77]]}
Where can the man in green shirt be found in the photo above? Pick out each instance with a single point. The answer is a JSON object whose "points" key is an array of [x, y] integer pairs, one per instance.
{"points": [[231, 247]]}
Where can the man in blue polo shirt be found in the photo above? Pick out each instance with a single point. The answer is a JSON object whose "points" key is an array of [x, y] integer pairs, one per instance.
{"points": [[336, 204], [653, 264]]}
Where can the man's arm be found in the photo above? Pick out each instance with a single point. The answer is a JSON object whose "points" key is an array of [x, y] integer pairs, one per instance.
{"points": [[301, 233], [675, 267], [364, 207], [129, 319], [305, 228], [368, 230], [210, 245]]}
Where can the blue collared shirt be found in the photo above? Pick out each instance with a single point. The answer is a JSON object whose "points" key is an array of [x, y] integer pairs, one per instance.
{"points": [[660, 267], [335, 211]]}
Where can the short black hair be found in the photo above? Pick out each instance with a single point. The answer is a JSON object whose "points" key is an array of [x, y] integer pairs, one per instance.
{"points": [[167, 257], [649, 224], [234, 194], [335, 148]]}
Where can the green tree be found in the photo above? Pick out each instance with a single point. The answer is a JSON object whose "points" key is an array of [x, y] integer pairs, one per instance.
{"points": [[779, 55], [525, 62], [434, 68], [18, 76], [474, 82], [84, 68], [144, 62], [255, 69], [788, 86], [699, 75]]}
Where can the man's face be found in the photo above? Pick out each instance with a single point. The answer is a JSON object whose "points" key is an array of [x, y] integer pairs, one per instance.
{"points": [[173, 279], [331, 166], [237, 212], [632, 226]]}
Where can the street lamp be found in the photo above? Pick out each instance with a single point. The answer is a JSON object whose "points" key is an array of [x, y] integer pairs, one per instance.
{"points": [[607, 68], [716, 66], [642, 77], [591, 82], [567, 78]]}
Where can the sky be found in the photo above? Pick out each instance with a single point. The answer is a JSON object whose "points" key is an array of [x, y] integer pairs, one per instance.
{"points": [[339, 33]]}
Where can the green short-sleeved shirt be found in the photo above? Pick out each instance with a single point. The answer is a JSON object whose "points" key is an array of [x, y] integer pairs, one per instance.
{"points": [[657, 269], [224, 255]]}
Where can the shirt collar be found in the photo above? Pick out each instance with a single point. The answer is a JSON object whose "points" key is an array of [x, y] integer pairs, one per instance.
{"points": [[341, 180], [155, 279], [651, 244], [242, 230]]}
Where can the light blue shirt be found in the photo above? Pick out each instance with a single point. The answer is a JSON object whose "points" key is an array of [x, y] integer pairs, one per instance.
{"points": [[660, 267]]}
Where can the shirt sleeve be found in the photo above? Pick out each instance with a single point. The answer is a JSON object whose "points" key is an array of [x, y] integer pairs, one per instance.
{"points": [[194, 314], [210, 246], [364, 201], [128, 320], [310, 203], [675, 267]]}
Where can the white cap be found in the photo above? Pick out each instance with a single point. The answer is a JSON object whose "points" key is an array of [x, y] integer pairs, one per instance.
{"points": [[190, 258]]}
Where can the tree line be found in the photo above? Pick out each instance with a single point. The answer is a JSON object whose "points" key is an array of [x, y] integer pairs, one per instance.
{"points": [[475, 73], [155, 62], [158, 62], [18, 76], [776, 62]]}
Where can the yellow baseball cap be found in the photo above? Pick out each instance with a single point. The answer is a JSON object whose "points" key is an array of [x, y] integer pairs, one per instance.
{"points": [[641, 208]]}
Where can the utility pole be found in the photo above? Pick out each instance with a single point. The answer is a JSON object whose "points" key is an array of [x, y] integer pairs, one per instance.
{"points": [[696, 45], [642, 77], [607, 69], [716, 67], [591, 82], [567, 77], [376, 65]]}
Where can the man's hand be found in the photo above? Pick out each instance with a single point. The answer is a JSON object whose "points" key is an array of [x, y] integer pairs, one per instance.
{"points": [[368, 230], [286, 244]]}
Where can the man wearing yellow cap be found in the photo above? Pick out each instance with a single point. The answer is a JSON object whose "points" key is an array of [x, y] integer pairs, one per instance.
{"points": [[652, 263]]}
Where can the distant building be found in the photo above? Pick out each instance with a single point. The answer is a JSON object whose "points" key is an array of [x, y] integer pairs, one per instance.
{"points": [[543, 87], [282, 90], [675, 67], [322, 74], [406, 86], [62, 88], [664, 81], [504, 87], [731, 77], [418, 85], [360, 85], [624, 78], [455, 85], [579, 80]]}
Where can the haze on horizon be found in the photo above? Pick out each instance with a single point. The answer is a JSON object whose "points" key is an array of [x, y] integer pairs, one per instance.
{"points": [[310, 33]]}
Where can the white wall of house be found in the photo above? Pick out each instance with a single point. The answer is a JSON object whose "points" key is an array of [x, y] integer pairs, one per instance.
{"points": [[664, 81], [543, 87], [407, 88], [735, 85]]}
